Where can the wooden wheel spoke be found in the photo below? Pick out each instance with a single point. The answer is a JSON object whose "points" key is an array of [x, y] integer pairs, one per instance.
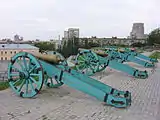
{"points": [[81, 65], [83, 68], [23, 82], [18, 61], [81, 61], [31, 70], [92, 67], [30, 82], [32, 74], [26, 86], [25, 63], [81, 58], [16, 69], [14, 74], [32, 79], [87, 56], [87, 66], [29, 64], [93, 63], [17, 81]]}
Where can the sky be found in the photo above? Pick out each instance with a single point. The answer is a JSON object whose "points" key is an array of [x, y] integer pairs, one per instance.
{"points": [[46, 19]]}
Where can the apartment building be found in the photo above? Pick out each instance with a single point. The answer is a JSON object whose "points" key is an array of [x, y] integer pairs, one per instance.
{"points": [[9, 50]]}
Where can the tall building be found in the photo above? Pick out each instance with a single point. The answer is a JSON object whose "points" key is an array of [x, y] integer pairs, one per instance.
{"points": [[66, 34], [21, 38], [137, 31], [72, 32], [16, 38]]}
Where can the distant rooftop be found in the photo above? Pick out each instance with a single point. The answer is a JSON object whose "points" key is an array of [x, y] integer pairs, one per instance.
{"points": [[17, 46]]}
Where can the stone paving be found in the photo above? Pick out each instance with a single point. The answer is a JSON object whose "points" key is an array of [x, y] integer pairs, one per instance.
{"points": [[65, 103]]}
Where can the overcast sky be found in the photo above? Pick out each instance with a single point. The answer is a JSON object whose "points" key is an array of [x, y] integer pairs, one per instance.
{"points": [[45, 19]]}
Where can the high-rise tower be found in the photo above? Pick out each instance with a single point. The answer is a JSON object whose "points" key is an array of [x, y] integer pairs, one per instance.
{"points": [[137, 31]]}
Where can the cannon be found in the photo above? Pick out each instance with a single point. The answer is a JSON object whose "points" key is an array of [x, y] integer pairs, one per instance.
{"points": [[129, 57], [92, 61], [132, 52], [28, 72], [122, 56]]}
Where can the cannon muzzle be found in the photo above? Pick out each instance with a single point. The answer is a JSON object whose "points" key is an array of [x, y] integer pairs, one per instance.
{"points": [[100, 52], [97, 51], [48, 58]]}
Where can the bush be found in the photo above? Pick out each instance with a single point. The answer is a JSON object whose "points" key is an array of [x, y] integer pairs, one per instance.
{"points": [[4, 85], [138, 44], [44, 46], [155, 55]]}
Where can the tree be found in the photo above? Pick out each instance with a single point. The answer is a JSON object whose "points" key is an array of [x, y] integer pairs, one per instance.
{"points": [[138, 44], [86, 43], [75, 46], [64, 50], [93, 44], [154, 37], [43, 46]]}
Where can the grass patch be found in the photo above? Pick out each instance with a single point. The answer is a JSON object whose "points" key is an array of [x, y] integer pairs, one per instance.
{"points": [[155, 55], [140, 51], [4, 85]]}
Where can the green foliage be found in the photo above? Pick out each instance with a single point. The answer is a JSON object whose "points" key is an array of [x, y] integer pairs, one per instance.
{"points": [[86, 44], [93, 45], [139, 50], [70, 47], [121, 45], [138, 44], [4, 85], [43, 46], [117, 45], [154, 37], [76, 45], [155, 55]]}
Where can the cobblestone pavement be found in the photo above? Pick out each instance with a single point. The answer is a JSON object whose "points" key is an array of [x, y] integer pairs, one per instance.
{"points": [[65, 103]]}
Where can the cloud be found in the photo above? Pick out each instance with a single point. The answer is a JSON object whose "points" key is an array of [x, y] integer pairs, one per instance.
{"points": [[103, 18]]}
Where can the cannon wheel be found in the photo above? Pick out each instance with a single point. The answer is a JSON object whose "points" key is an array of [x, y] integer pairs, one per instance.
{"points": [[53, 82], [25, 75], [101, 67], [87, 62]]}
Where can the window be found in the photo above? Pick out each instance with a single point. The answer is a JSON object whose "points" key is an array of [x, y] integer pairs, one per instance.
{"points": [[15, 52], [1, 52], [5, 52], [11, 52], [5, 58], [1, 58]]}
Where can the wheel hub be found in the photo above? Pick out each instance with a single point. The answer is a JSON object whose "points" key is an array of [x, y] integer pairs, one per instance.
{"points": [[87, 62], [24, 75]]}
